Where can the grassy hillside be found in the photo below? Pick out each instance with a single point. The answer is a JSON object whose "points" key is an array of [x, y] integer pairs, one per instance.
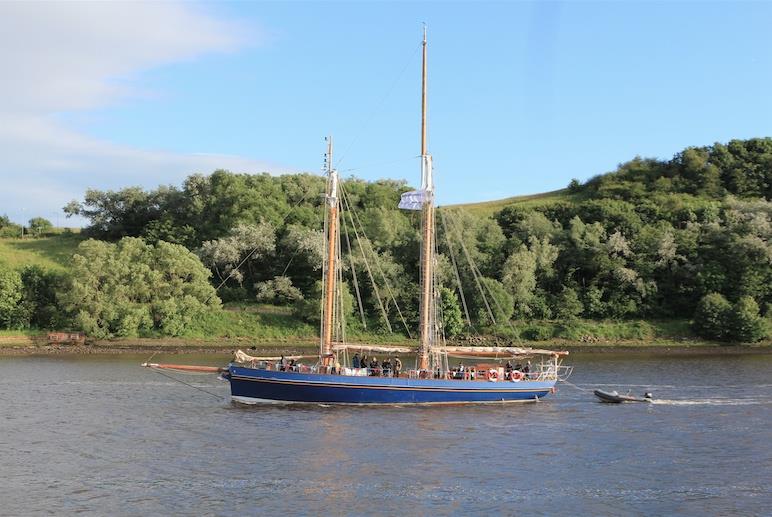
{"points": [[488, 208], [52, 252]]}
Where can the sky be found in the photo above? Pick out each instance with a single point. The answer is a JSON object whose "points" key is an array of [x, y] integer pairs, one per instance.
{"points": [[523, 96]]}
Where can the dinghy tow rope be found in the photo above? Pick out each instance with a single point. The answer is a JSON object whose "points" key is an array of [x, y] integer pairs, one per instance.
{"points": [[575, 386]]}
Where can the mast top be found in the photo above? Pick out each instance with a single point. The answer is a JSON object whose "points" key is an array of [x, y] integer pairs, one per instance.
{"points": [[423, 98], [332, 174]]}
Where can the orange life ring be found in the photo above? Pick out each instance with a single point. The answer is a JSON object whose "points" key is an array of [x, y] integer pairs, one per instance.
{"points": [[493, 375], [516, 376]]}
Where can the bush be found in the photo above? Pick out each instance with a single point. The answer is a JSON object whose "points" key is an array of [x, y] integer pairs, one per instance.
{"points": [[452, 319], [537, 333], [574, 186], [745, 322], [132, 288], [10, 296], [39, 225], [711, 319], [278, 290]]}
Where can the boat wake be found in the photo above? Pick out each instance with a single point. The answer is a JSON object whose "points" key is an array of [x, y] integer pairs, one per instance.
{"points": [[681, 386], [712, 402]]}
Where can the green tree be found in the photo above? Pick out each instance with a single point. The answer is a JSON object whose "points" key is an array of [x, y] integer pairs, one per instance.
{"points": [[745, 322], [10, 295], [39, 225], [567, 305], [494, 297], [278, 290], [39, 305], [519, 278], [711, 319], [452, 320], [229, 257], [132, 288], [309, 309]]}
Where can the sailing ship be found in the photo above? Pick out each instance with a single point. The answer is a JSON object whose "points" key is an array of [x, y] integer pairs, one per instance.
{"points": [[335, 380]]}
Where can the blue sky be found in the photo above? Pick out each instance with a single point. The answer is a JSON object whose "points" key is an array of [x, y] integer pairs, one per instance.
{"points": [[524, 96]]}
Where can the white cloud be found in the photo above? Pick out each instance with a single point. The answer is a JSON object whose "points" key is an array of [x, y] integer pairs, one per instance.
{"points": [[69, 56]]}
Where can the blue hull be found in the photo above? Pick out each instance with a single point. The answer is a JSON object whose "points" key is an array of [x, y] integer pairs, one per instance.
{"points": [[251, 385]]}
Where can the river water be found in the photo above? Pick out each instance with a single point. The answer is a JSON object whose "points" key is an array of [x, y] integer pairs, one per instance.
{"points": [[100, 435]]}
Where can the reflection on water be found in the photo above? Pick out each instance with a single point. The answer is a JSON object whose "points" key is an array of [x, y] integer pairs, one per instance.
{"points": [[102, 435]]}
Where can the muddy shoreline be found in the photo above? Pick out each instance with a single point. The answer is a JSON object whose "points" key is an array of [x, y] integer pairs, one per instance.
{"points": [[175, 346]]}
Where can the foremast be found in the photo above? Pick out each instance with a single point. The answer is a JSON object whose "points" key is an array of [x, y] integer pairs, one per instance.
{"points": [[330, 269], [426, 327]]}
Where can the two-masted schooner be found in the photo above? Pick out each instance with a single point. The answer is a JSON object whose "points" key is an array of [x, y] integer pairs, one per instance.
{"points": [[333, 379]]}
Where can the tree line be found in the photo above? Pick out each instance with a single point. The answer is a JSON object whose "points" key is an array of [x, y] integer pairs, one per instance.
{"points": [[687, 238]]}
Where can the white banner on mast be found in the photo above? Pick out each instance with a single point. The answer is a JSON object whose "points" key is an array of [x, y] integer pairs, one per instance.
{"points": [[413, 200]]}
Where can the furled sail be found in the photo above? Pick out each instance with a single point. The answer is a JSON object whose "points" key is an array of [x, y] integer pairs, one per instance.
{"points": [[373, 348], [242, 357], [498, 350]]}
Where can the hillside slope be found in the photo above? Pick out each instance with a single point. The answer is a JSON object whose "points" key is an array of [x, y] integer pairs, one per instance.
{"points": [[51, 252], [488, 208]]}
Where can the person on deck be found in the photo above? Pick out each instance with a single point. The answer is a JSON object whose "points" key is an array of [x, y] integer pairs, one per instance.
{"points": [[374, 367], [355, 360], [397, 366], [508, 367], [363, 361], [282, 364], [386, 367], [527, 370]]}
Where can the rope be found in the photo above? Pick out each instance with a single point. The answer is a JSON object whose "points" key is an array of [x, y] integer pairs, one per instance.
{"points": [[575, 386], [476, 272], [344, 197], [455, 267], [354, 274], [380, 270], [159, 372], [378, 106], [284, 220]]}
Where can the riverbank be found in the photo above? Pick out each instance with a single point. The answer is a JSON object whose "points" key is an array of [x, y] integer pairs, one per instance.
{"points": [[36, 344]]}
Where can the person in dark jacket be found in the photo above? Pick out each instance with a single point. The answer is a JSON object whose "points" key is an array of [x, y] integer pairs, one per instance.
{"points": [[386, 367], [355, 360]]}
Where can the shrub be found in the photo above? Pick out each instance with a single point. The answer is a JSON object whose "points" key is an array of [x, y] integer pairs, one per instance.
{"points": [[10, 296], [537, 333], [132, 288], [711, 317], [745, 322]]}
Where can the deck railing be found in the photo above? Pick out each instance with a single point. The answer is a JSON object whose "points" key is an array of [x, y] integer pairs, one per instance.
{"points": [[540, 372]]}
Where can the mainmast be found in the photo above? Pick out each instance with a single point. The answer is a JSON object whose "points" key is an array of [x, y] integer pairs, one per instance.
{"points": [[426, 329], [332, 248]]}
